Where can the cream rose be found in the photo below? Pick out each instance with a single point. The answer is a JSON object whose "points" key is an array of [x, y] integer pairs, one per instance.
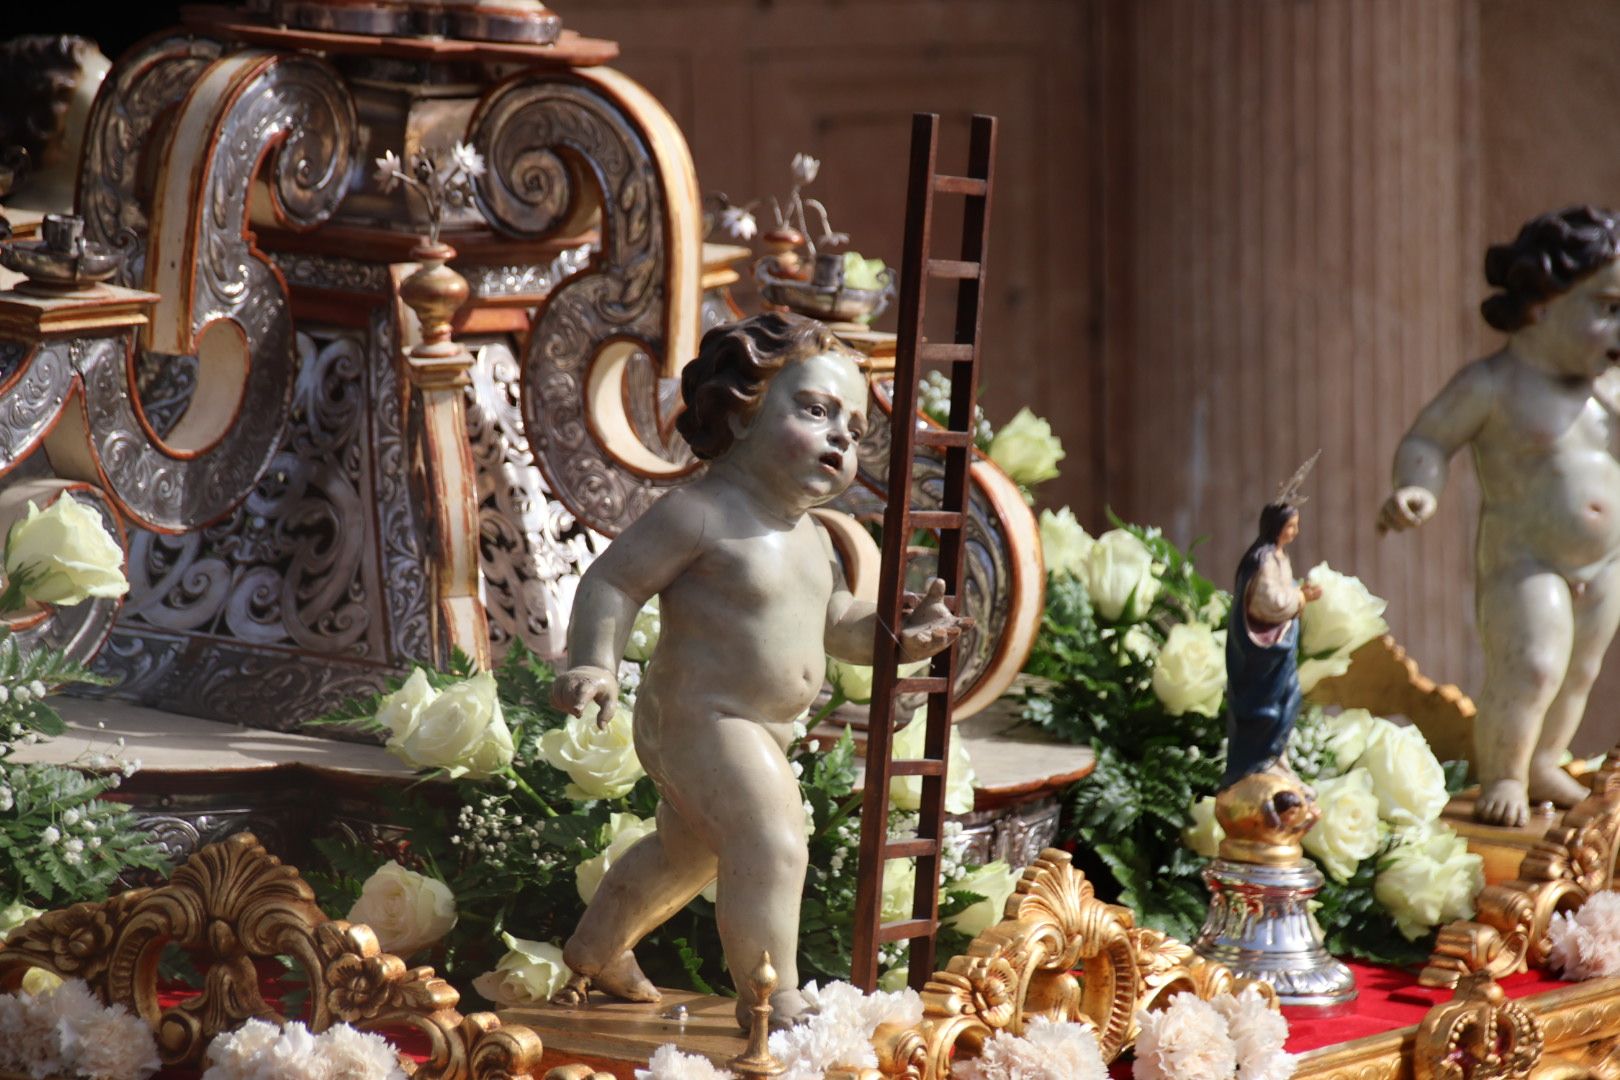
{"points": [[622, 833], [400, 711], [1347, 736], [905, 792], [406, 910], [1205, 834], [1064, 543], [601, 761], [899, 888], [1429, 881], [460, 730], [528, 974], [1140, 644], [1348, 829], [644, 632], [854, 681], [64, 555], [995, 881], [1406, 777], [1343, 619], [14, 915], [1190, 674], [1312, 672], [1119, 576], [1026, 449]]}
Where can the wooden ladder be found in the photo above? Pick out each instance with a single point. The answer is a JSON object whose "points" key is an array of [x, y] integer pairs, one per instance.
{"points": [[955, 440]]}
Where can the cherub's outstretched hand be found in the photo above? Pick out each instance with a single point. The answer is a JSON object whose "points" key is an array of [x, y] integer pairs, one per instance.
{"points": [[1408, 508], [578, 687], [930, 627]]}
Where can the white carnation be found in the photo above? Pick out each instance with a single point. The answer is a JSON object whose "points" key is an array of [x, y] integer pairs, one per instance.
{"points": [[352, 1054], [230, 1053], [1048, 1050], [1187, 1040], [838, 1029], [668, 1063], [1258, 1033], [111, 1044], [1586, 944]]}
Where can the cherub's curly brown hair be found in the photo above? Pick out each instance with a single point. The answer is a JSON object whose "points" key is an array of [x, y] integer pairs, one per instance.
{"points": [[735, 363], [1551, 253]]}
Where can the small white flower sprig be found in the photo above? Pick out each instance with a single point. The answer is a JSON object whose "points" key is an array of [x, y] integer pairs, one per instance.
{"points": [[790, 213], [438, 178]]}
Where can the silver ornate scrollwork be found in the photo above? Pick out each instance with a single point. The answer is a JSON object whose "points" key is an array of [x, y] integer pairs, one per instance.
{"points": [[528, 279], [531, 549], [32, 399], [200, 262], [136, 101], [525, 127]]}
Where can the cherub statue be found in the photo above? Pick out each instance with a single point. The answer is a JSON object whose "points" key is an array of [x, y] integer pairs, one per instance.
{"points": [[1539, 415], [1262, 805], [751, 598]]}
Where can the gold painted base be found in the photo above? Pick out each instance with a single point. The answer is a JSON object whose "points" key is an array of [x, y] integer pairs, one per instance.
{"points": [[1502, 848], [619, 1036]]}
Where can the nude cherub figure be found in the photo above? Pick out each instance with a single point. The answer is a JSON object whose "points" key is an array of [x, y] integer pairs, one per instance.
{"points": [[1540, 415], [751, 599]]}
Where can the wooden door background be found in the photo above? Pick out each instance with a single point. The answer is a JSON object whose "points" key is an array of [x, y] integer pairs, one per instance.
{"points": [[1227, 233]]}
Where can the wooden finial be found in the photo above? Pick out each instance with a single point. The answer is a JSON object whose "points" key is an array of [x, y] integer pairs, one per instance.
{"points": [[756, 1062]]}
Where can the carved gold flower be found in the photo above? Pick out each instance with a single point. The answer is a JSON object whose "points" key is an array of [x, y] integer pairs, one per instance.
{"points": [[81, 939], [358, 988]]}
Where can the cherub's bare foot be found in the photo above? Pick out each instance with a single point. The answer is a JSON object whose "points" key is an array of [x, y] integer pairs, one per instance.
{"points": [[788, 1007], [1550, 783], [1502, 802], [575, 993], [619, 977]]}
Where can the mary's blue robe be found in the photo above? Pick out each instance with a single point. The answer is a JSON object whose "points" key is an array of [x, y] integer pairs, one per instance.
{"points": [[1262, 687]]}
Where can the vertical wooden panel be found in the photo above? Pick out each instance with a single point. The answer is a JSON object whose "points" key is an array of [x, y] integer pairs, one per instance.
{"points": [[1296, 223]]}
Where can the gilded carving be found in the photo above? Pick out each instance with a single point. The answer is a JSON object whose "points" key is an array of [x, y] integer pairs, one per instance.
{"points": [[1479, 1033], [234, 904]]}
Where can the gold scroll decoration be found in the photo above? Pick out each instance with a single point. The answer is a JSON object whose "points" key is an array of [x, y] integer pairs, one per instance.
{"points": [[233, 904], [1574, 860], [1024, 966]]}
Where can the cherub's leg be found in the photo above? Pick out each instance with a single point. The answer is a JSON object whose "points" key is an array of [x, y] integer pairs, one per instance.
{"points": [[1526, 626], [657, 877], [1596, 615]]}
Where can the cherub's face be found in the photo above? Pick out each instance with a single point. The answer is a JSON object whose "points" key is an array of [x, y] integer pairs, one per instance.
{"points": [[1578, 333], [805, 431]]}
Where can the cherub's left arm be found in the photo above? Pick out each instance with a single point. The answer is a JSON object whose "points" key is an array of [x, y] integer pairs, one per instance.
{"points": [[929, 627]]}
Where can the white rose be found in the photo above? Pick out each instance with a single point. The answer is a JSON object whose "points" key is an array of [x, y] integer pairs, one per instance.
{"points": [[1063, 542], [899, 888], [1119, 576], [1190, 673], [1406, 777], [1026, 449], [528, 974], [1343, 619], [995, 881], [1430, 881], [37, 982], [622, 832], [1313, 671], [601, 761], [65, 555], [461, 730], [644, 632], [1205, 834], [14, 915], [905, 792], [854, 681], [1347, 736], [400, 711], [1348, 829], [406, 910], [1139, 643]]}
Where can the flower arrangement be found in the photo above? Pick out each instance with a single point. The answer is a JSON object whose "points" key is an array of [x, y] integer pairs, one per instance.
{"points": [[1131, 660], [59, 841], [259, 1049], [441, 179], [536, 804], [1047, 1050], [1585, 943], [66, 1032], [1229, 1037]]}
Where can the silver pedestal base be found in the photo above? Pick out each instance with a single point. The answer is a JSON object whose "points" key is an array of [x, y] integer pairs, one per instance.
{"points": [[1260, 926]]}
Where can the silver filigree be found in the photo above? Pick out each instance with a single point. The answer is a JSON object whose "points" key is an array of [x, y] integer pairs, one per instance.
{"points": [[528, 279], [331, 272], [32, 400]]}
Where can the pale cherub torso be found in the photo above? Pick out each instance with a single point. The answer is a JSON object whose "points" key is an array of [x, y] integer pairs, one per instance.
{"points": [[1547, 455]]}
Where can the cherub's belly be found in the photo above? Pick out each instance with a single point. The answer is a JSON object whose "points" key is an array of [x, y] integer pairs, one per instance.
{"points": [[750, 673], [1564, 514]]}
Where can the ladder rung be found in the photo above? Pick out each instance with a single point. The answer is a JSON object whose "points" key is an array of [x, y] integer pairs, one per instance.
{"points": [[944, 353], [922, 684], [960, 185], [952, 268], [917, 767], [943, 438], [910, 849], [935, 519], [906, 929]]}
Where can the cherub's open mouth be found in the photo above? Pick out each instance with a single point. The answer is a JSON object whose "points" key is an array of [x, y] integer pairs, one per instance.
{"points": [[1614, 356], [833, 460]]}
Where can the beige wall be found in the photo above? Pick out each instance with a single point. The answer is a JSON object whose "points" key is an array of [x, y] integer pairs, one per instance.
{"points": [[1227, 232]]}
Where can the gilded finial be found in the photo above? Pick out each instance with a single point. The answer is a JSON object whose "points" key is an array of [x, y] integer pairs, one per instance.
{"points": [[756, 1062]]}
